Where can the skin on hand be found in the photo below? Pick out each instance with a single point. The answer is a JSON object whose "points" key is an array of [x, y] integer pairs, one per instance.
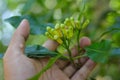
{"points": [[19, 67]]}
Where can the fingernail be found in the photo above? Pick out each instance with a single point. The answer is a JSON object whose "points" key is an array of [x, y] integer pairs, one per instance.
{"points": [[23, 22], [85, 41]]}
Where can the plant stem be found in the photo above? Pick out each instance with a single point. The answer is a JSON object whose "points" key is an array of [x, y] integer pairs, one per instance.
{"points": [[70, 56], [78, 44], [67, 45], [62, 55], [77, 57], [82, 9]]}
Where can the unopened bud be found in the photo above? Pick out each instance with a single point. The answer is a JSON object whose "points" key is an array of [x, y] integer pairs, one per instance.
{"points": [[57, 26], [77, 24], [48, 28], [46, 33], [71, 18], [62, 25], [55, 37]]}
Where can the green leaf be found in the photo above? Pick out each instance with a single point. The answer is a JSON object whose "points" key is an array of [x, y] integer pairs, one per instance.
{"points": [[35, 26], [100, 51], [36, 39], [49, 65], [37, 51]]}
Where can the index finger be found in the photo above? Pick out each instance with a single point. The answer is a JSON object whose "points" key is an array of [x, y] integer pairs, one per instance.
{"points": [[51, 45]]}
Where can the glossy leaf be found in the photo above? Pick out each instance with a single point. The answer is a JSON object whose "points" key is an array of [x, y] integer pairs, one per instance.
{"points": [[99, 52], [35, 26], [38, 51], [49, 65]]}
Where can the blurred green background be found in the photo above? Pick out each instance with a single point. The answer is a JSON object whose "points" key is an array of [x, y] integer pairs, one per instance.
{"points": [[103, 14]]}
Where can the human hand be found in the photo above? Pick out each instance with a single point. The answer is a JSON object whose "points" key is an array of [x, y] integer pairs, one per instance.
{"points": [[17, 66]]}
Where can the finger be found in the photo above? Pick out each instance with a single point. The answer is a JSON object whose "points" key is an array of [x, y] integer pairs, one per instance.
{"points": [[84, 72], [62, 64], [84, 41], [82, 60], [51, 45], [71, 69], [17, 43]]}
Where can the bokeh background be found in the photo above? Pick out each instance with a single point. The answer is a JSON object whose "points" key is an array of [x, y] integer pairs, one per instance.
{"points": [[102, 14]]}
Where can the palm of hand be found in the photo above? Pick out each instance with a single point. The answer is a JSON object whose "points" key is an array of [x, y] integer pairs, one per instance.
{"points": [[26, 68]]}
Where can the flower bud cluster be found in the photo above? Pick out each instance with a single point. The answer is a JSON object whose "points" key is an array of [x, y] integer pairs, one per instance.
{"points": [[63, 31]]}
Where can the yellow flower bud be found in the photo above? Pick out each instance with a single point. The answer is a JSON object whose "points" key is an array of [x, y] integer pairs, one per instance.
{"points": [[52, 30], [77, 24], [56, 37], [48, 28], [59, 41], [56, 32], [72, 22], [64, 32], [67, 21], [60, 33], [57, 26], [69, 33], [70, 28], [71, 18], [62, 25], [46, 33]]}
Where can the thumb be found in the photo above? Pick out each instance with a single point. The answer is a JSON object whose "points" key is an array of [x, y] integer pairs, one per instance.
{"points": [[17, 43]]}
